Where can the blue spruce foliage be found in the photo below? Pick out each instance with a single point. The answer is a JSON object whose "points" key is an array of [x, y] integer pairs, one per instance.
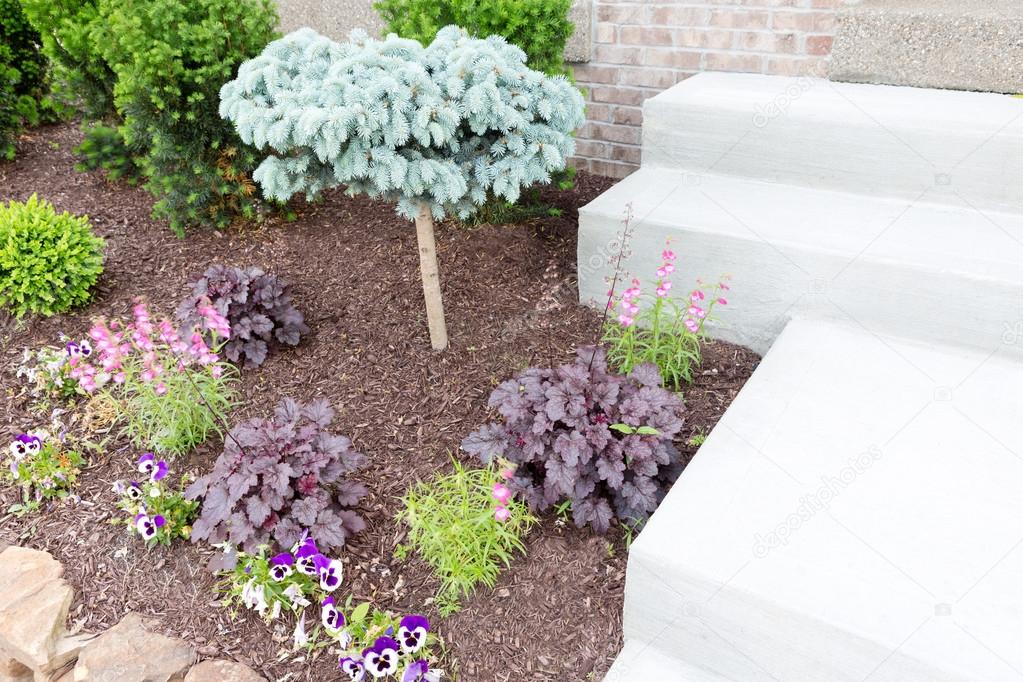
{"points": [[447, 124]]}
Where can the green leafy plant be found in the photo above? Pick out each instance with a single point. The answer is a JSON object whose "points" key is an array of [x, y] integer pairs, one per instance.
{"points": [[466, 527], [49, 261], [171, 392], [43, 467], [23, 76], [541, 28], [104, 148], [157, 513], [80, 70], [663, 330], [170, 58]]}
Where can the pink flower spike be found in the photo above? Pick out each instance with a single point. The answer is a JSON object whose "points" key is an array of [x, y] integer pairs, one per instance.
{"points": [[625, 320], [501, 493], [120, 378], [217, 371], [668, 255], [661, 273], [669, 268], [723, 286], [507, 474], [662, 292], [160, 388], [147, 376], [692, 325], [722, 301], [502, 514]]}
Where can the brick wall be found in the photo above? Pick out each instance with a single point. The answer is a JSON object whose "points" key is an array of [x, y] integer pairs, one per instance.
{"points": [[644, 46]]}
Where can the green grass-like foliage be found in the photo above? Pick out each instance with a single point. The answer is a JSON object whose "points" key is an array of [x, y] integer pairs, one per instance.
{"points": [[452, 527], [170, 58], [540, 27], [49, 261]]}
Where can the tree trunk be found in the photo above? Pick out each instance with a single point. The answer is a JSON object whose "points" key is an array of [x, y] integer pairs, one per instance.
{"points": [[431, 278]]}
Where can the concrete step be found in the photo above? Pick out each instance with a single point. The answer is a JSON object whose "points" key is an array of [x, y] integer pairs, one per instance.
{"points": [[854, 515], [868, 139], [955, 44], [951, 274], [639, 662]]}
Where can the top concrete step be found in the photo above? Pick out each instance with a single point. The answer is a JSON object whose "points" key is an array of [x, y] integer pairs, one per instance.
{"points": [[855, 515], [954, 44], [868, 139]]}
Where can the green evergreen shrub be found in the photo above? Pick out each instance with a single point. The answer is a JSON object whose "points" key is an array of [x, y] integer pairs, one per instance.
{"points": [[49, 261], [540, 27], [24, 88], [170, 58], [65, 28]]}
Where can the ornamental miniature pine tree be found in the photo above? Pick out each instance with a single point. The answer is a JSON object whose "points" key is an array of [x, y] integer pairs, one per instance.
{"points": [[435, 129]]}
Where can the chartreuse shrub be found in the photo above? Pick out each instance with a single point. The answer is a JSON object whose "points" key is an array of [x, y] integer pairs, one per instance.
{"points": [[540, 27], [279, 479], [257, 306], [171, 391], [435, 129], [658, 328], [49, 261], [170, 58], [581, 436], [466, 527]]}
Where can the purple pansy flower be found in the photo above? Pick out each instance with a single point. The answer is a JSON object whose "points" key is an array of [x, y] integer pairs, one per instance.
{"points": [[305, 557], [352, 667], [412, 633], [133, 491], [149, 465], [280, 566], [417, 671], [160, 472], [81, 349], [25, 445], [332, 617], [147, 527], [330, 571], [381, 659]]}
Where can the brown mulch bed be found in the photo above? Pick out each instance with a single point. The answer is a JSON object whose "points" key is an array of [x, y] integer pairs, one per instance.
{"points": [[510, 297]]}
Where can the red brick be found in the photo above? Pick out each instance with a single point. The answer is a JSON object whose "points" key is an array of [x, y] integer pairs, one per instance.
{"points": [[675, 59], [735, 18], [807, 22], [632, 116], [612, 133], [797, 66], [765, 41], [606, 33], [595, 73], [819, 45], [747, 63], [646, 35], [614, 54], [611, 169], [619, 13], [628, 154], [592, 149], [711, 38], [647, 77], [677, 16], [598, 112], [618, 95]]}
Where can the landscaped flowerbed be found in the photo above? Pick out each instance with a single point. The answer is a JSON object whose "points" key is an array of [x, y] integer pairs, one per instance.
{"points": [[352, 266]]}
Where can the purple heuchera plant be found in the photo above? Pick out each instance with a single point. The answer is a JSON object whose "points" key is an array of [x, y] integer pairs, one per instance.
{"points": [[257, 305], [557, 430], [279, 479]]}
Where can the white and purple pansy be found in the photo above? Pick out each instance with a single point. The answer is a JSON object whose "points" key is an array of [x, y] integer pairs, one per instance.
{"points": [[147, 527], [80, 349], [352, 667], [412, 631], [133, 491], [280, 566], [330, 572], [24, 445], [150, 466], [332, 617], [381, 659], [305, 557], [419, 671]]}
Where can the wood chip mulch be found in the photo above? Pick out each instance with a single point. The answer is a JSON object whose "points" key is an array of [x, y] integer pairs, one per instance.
{"points": [[511, 301]]}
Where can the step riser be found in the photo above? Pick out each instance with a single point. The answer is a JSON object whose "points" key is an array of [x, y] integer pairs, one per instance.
{"points": [[818, 134], [768, 289]]}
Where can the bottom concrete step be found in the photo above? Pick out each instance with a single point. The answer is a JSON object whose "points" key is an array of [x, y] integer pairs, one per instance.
{"points": [[639, 662], [854, 515]]}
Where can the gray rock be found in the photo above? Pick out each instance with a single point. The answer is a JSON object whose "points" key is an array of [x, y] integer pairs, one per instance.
{"points": [[129, 652], [223, 671], [34, 602]]}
